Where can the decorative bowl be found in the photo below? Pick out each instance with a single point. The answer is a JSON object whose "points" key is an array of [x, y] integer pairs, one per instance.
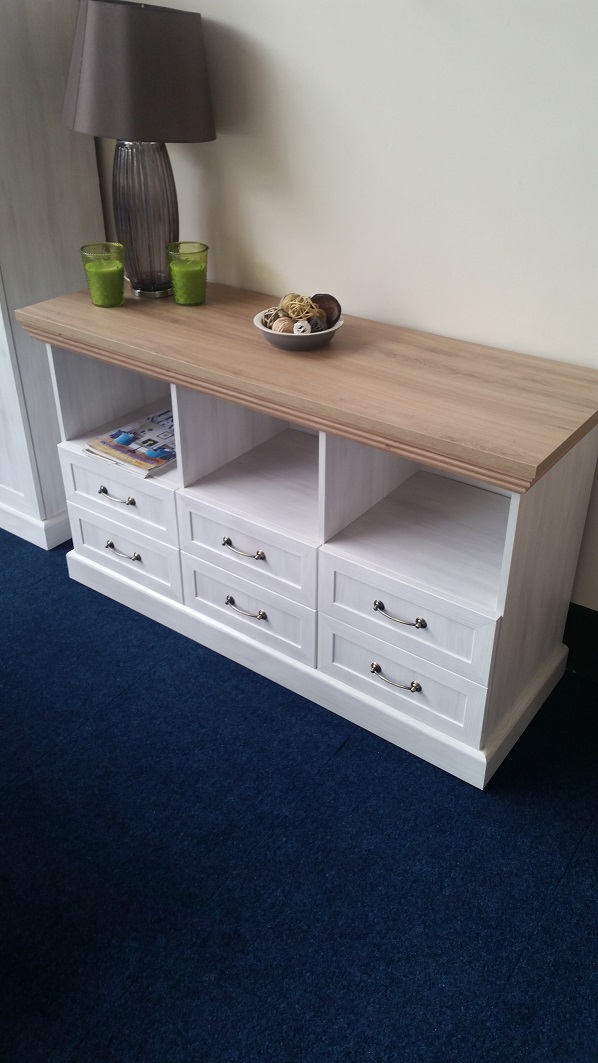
{"points": [[297, 341]]}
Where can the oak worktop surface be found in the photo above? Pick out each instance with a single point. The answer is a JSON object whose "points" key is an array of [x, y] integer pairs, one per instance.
{"points": [[496, 416]]}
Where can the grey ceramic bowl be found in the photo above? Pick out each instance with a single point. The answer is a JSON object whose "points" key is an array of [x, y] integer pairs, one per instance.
{"points": [[291, 341]]}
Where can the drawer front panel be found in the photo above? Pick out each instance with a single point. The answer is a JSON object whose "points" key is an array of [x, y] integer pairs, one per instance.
{"points": [[446, 702], [148, 562], [288, 566], [106, 490], [260, 614], [452, 637]]}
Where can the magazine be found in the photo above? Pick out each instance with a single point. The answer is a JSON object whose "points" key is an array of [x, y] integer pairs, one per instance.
{"points": [[145, 446]]}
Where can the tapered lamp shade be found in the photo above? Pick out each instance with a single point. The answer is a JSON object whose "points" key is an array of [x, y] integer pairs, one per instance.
{"points": [[138, 75]]}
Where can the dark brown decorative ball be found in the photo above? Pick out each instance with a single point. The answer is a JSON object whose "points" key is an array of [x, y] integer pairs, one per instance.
{"points": [[330, 306]]}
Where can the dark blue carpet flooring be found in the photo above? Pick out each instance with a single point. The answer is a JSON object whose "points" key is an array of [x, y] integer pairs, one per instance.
{"points": [[197, 866]]}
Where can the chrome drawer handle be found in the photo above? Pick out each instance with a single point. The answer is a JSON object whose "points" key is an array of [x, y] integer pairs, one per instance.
{"points": [[260, 615], [129, 557], [418, 622], [123, 501], [258, 556], [414, 686]]}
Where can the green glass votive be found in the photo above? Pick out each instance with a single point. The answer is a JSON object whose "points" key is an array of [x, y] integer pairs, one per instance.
{"points": [[188, 263], [105, 273]]}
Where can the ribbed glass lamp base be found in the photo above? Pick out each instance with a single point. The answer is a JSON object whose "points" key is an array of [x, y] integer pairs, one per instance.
{"points": [[146, 213]]}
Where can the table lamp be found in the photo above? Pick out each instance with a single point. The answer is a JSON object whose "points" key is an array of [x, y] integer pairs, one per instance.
{"points": [[138, 75]]}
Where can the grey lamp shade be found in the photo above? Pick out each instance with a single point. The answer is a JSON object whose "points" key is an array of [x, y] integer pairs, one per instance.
{"points": [[138, 73]]}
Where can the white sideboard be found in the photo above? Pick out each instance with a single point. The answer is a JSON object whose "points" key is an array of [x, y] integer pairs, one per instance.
{"points": [[389, 526], [49, 206]]}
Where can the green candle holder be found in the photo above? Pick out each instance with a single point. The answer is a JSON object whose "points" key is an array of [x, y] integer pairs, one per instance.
{"points": [[188, 263], [105, 273]]}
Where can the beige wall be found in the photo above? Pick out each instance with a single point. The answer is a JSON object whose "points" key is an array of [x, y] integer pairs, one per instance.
{"points": [[433, 163]]}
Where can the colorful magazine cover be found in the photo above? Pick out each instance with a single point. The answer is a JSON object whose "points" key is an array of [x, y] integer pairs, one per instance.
{"points": [[145, 446]]}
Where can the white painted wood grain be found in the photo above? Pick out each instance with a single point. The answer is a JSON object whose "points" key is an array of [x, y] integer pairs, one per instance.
{"points": [[275, 483], [153, 511], [436, 534], [214, 432], [92, 395], [547, 535], [159, 568], [19, 486], [353, 477], [289, 566], [288, 626], [454, 637], [49, 206], [448, 702]]}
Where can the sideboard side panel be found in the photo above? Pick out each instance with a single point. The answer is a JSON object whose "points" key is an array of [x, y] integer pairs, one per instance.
{"points": [[544, 556]]}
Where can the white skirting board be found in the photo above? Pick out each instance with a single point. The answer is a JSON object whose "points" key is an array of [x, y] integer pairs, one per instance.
{"points": [[44, 533], [471, 765]]}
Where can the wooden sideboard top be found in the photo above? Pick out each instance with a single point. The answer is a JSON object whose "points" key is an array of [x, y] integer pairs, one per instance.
{"points": [[492, 415]]}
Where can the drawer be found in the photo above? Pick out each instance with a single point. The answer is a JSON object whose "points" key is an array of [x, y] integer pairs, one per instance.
{"points": [[439, 699], [260, 614], [144, 504], [284, 565], [451, 636], [134, 556]]}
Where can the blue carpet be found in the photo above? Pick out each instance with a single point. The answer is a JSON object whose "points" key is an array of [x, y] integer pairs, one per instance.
{"points": [[197, 866]]}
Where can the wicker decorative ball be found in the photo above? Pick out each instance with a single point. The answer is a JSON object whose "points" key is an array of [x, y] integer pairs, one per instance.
{"points": [[302, 327], [282, 324], [271, 315], [318, 324]]}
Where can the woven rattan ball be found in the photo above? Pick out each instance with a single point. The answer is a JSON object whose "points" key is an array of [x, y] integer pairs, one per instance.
{"points": [[282, 324]]}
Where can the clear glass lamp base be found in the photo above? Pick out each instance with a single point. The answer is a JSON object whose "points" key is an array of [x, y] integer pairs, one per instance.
{"points": [[146, 214]]}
